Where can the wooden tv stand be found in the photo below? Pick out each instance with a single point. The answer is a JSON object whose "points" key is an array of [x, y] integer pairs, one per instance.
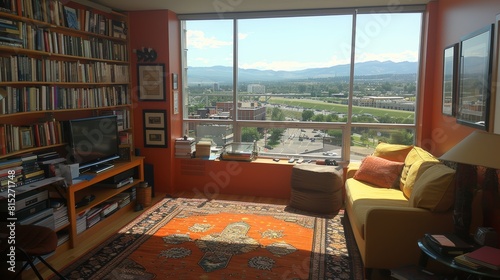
{"points": [[77, 192]]}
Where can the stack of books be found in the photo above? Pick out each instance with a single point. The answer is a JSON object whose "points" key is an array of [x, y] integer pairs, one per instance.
{"points": [[60, 212], [448, 244], [184, 147], [10, 34], [31, 170], [11, 173], [485, 256]]}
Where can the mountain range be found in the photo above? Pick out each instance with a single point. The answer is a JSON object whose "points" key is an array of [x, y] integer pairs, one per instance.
{"points": [[224, 74]]}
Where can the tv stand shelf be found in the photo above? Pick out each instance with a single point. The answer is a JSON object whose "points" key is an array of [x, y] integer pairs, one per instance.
{"points": [[78, 191]]}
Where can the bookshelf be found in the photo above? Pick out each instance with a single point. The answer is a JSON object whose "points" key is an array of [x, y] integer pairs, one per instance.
{"points": [[59, 62]]}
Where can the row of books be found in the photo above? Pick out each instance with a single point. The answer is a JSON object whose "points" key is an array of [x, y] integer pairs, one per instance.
{"points": [[122, 118], [27, 36], [185, 147], [14, 138], [42, 98], [8, 6], [54, 12], [23, 68], [94, 215]]}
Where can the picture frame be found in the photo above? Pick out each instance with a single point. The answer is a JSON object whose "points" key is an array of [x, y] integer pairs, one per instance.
{"points": [[175, 81], [151, 82], [155, 128], [154, 118], [175, 102], [450, 79], [26, 137], [155, 138], [474, 87]]}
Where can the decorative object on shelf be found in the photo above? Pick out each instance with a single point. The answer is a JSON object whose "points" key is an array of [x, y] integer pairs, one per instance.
{"points": [[473, 104], [477, 149], [146, 55], [151, 82], [155, 128], [450, 78]]}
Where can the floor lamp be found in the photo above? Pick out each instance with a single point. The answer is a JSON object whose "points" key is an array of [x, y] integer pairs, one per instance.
{"points": [[478, 149]]}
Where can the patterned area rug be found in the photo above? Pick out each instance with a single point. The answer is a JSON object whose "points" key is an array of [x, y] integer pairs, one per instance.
{"points": [[200, 239]]}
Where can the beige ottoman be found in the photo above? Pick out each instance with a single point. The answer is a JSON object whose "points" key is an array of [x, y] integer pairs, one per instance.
{"points": [[316, 188]]}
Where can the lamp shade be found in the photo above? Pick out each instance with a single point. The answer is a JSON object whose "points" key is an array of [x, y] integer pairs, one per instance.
{"points": [[479, 148]]}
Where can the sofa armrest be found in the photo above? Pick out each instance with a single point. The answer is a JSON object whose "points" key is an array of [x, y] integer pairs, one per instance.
{"points": [[351, 169]]}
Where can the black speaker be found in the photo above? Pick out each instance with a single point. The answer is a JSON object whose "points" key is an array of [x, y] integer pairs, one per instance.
{"points": [[124, 153], [149, 176]]}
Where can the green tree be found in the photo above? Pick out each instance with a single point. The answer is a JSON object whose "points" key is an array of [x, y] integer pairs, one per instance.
{"points": [[307, 115], [277, 114], [250, 134]]}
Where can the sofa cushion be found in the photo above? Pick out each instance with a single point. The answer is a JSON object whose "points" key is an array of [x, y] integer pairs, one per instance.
{"points": [[434, 190], [416, 162], [394, 152], [379, 171]]}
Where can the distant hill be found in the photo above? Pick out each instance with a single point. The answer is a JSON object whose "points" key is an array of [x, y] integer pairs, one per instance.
{"points": [[223, 74]]}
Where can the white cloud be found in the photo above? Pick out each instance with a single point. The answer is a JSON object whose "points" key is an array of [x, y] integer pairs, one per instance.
{"points": [[288, 65], [196, 39], [243, 36]]}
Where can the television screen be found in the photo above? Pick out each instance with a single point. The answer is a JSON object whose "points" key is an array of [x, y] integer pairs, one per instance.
{"points": [[93, 140]]}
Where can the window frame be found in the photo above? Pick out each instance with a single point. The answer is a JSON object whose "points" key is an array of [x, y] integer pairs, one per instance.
{"points": [[346, 127]]}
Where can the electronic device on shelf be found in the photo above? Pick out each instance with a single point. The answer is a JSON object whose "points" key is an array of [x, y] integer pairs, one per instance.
{"points": [[93, 142]]}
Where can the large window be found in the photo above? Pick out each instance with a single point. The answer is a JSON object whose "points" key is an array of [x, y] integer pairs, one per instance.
{"points": [[330, 84]]}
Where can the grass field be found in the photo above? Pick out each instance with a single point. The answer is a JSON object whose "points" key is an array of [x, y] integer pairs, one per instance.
{"points": [[339, 108]]}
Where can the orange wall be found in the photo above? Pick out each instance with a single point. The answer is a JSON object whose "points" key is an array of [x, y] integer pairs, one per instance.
{"points": [[158, 30], [450, 20]]}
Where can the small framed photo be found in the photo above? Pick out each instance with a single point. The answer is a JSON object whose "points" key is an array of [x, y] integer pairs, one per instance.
{"points": [[25, 137], [151, 82], [175, 81], [155, 138], [154, 118]]}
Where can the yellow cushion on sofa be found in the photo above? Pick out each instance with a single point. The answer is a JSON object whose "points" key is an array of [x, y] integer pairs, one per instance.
{"points": [[415, 158], [435, 189], [394, 152]]}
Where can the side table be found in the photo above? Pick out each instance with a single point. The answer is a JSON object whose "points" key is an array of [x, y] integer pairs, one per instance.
{"points": [[447, 260]]}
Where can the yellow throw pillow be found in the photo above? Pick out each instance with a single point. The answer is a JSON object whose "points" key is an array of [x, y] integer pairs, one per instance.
{"points": [[394, 152], [416, 155], [378, 171], [435, 189]]}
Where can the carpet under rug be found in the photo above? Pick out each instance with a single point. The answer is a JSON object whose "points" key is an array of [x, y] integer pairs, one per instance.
{"points": [[213, 239]]}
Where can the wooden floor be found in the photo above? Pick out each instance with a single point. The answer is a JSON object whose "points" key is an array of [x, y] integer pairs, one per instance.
{"points": [[60, 260]]}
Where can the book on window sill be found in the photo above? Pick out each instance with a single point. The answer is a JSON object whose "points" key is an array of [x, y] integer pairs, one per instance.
{"points": [[448, 243], [486, 256]]}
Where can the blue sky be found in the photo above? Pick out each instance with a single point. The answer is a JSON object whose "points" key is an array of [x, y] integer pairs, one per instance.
{"points": [[306, 42]]}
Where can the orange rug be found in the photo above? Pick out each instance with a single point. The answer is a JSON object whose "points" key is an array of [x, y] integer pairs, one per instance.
{"points": [[199, 239]]}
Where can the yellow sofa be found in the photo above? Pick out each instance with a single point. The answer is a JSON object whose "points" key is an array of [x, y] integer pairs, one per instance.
{"points": [[387, 221]]}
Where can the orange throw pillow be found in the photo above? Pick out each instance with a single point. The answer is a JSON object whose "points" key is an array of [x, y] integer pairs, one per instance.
{"points": [[379, 171]]}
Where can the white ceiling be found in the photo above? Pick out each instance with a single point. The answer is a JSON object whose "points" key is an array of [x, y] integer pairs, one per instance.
{"points": [[216, 6]]}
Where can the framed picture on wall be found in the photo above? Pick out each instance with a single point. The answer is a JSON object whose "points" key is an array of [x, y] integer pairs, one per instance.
{"points": [[450, 78], [155, 138], [474, 88], [155, 127], [151, 82]]}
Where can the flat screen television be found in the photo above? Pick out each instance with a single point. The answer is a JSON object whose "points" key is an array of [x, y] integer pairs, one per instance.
{"points": [[93, 142]]}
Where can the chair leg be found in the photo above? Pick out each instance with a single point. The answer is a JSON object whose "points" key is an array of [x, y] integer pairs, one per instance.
{"points": [[33, 266], [51, 268]]}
